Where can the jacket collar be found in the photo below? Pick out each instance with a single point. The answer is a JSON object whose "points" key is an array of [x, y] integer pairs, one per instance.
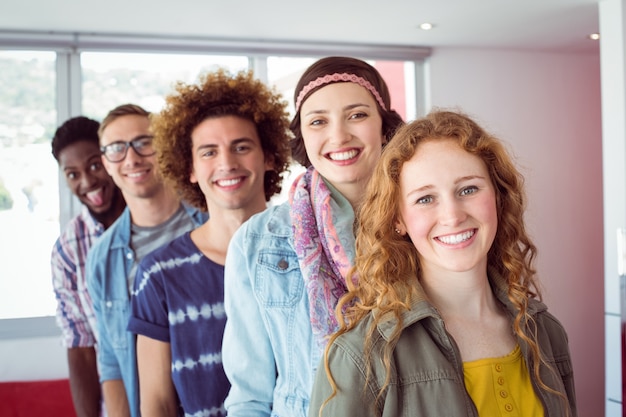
{"points": [[421, 308]]}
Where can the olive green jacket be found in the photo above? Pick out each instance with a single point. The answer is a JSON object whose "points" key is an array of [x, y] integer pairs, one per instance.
{"points": [[426, 377]]}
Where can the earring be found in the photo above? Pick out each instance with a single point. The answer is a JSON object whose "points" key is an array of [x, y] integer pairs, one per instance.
{"points": [[397, 230]]}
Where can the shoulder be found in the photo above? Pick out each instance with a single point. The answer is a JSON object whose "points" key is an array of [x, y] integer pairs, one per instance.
{"points": [[198, 216], [180, 247], [547, 321], [273, 222]]}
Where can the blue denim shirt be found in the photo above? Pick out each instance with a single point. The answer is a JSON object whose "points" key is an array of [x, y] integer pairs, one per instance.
{"points": [[268, 351], [108, 265]]}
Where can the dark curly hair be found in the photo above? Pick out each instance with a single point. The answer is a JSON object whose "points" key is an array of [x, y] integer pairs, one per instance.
{"points": [[74, 130], [339, 64], [220, 93]]}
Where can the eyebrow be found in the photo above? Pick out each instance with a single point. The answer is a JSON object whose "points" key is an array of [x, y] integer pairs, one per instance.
{"points": [[144, 136], [235, 142], [345, 108], [90, 159], [457, 181]]}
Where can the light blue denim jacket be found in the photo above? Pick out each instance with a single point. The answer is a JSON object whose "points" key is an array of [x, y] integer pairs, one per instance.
{"points": [[268, 351], [108, 265]]}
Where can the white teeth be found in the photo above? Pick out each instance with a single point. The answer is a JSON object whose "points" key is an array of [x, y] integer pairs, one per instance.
{"points": [[135, 174], [343, 156], [453, 240], [228, 183]]}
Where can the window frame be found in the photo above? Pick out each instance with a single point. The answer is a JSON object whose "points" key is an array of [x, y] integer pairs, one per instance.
{"points": [[69, 45]]}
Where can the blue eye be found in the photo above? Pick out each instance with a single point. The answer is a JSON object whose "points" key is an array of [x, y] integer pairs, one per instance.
{"points": [[469, 190], [424, 200]]}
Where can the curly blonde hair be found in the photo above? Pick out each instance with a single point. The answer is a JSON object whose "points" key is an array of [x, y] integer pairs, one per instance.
{"points": [[387, 262], [220, 93]]}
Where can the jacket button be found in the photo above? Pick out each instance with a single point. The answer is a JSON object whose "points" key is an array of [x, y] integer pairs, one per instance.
{"points": [[283, 264], [109, 304]]}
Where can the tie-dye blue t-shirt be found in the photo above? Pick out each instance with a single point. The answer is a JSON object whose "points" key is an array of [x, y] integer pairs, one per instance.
{"points": [[178, 298]]}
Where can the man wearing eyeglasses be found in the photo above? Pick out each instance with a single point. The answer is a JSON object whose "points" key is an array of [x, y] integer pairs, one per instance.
{"points": [[154, 216]]}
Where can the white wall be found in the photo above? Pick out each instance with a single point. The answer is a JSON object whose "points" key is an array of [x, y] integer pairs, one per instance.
{"points": [[547, 107], [31, 359]]}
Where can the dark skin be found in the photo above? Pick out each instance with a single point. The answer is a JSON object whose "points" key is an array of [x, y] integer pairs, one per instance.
{"points": [[81, 165]]}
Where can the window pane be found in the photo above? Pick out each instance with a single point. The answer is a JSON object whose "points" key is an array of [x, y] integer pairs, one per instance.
{"points": [[111, 79], [29, 218]]}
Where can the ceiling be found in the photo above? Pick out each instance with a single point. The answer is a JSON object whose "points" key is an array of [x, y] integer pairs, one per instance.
{"points": [[543, 25]]}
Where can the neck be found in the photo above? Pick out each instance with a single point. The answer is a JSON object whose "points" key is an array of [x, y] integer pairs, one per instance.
{"points": [[213, 237], [353, 192], [152, 211], [460, 294]]}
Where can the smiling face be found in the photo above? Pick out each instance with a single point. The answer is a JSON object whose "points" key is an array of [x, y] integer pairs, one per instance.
{"points": [[86, 177], [229, 164], [342, 132], [448, 207], [136, 175]]}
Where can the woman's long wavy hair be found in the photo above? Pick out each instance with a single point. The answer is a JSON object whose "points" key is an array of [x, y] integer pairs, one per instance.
{"points": [[387, 263]]}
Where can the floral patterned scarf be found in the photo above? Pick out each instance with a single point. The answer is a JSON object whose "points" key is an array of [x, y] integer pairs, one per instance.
{"points": [[322, 223]]}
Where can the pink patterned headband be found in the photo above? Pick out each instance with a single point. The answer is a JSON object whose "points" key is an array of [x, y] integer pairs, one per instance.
{"points": [[337, 77]]}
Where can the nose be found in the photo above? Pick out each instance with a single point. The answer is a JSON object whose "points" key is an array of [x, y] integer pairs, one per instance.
{"points": [[227, 161], [132, 158], [88, 180], [339, 133], [451, 212]]}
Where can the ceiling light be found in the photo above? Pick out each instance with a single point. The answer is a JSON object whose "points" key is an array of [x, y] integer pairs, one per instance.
{"points": [[426, 26], [594, 36]]}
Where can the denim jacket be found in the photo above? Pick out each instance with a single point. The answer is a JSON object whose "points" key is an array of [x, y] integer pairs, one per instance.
{"points": [[268, 350], [426, 377], [108, 265]]}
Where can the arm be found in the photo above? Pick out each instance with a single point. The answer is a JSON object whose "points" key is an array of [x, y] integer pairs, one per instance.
{"points": [[84, 382], [351, 399], [115, 398], [247, 353], [156, 389], [77, 333]]}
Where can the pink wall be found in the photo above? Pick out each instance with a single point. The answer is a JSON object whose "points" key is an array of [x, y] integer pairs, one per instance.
{"points": [[547, 107]]}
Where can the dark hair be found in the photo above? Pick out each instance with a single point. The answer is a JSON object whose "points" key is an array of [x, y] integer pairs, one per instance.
{"points": [[220, 94], [74, 130], [119, 111], [339, 64]]}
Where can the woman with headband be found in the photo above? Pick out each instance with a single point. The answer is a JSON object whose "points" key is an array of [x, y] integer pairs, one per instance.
{"points": [[286, 267]]}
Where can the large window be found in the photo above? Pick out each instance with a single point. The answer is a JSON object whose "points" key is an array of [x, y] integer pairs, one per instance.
{"points": [[40, 89], [29, 192], [111, 79]]}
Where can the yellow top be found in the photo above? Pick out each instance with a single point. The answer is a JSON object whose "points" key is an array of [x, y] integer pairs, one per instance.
{"points": [[502, 387]]}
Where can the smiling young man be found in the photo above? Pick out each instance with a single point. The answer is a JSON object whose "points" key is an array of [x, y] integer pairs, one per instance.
{"points": [[224, 145], [76, 148], [154, 216]]}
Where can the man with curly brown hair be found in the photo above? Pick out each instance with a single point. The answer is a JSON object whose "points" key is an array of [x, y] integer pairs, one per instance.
{"points": [[224, 145]]}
